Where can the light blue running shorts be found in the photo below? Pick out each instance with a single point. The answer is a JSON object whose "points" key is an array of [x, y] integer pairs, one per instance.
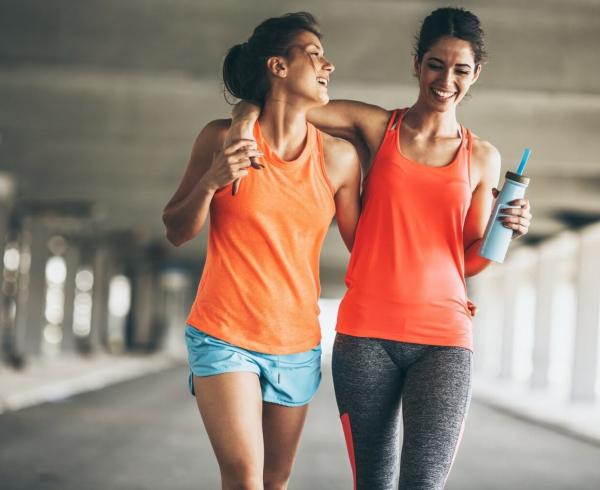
{"points": [[291, 380]]}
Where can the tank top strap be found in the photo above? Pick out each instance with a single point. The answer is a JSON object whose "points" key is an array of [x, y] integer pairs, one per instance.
{"points": [[394, 122], [467, 149]]}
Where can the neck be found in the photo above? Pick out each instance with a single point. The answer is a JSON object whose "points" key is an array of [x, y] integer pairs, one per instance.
{"points": [[283, 125], [432, 123]]}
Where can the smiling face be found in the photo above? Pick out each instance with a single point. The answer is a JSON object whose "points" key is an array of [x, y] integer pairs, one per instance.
{"points": [[446, 73], [305, 72]]}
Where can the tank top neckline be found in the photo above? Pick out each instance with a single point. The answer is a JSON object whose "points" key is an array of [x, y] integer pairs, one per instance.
{"points": [[271, 158], [452, 163]]}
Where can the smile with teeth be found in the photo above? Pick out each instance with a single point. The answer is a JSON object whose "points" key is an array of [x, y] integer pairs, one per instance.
{"points": [[442, 93], [322, 81]]}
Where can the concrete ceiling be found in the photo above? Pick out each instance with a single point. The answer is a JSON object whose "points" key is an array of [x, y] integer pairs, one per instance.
{"points": [[101, 101]]}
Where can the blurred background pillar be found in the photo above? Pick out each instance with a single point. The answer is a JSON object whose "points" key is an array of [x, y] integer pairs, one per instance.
{"points": [[546, 282], [585, 359], [7, 194]]}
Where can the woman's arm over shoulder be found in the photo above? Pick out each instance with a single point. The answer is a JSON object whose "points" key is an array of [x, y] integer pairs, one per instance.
{"points": [[342, 165], [357, 122]]}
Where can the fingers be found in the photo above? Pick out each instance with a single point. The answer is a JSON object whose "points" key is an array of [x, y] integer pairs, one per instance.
{"points": [[518, 212], [243, 153], [236, 183], [235, 187], [519, 224], [472, 307], [237, 145], [522, 203]]}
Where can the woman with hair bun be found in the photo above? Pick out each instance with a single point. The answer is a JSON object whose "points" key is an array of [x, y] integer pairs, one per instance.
{"points": [[404, 325], [253, 334]]}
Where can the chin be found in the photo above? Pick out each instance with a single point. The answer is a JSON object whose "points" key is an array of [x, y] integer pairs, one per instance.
{"points": [[441, 106], [321, 99]]}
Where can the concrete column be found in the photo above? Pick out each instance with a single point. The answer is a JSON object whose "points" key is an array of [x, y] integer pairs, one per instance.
{"points": [[72, 259], [515, 272], [7, 191], [36, 299], [552, 267], [585, 360], [509, 294], [148, 324], [102, 273], [144, 307], [175, 285]]}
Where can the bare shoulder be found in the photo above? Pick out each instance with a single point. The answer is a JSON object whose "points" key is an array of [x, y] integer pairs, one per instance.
{"points": [[486, 159], [339, 153], [341, 161], [212, 136]]}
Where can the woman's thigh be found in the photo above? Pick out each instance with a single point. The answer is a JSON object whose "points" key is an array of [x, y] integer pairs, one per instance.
{"points": [[368, 386], [435, 400], [282, 427], [231, 408]]}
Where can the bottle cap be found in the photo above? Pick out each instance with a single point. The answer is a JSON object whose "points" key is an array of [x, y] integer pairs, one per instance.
{"points": [[521, 179]]}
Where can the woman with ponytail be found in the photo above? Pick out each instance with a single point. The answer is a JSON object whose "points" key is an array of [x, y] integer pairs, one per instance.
{"points": [[253, 334]]}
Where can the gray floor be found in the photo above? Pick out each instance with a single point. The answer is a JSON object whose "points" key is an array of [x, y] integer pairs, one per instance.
{"points": [[146, 434]]}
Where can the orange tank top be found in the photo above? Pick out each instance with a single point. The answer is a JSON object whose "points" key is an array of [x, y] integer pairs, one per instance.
{"points": [[260, 284], [405, 278]]}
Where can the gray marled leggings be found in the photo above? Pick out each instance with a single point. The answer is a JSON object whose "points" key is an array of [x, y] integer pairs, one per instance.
{"points": [[371, 377]]}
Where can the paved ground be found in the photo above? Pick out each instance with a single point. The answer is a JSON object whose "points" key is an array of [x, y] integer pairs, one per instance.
{"points": [[146, 434]]}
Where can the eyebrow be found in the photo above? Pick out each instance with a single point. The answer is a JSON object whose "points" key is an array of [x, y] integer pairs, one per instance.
{"points": [[458, 64], [316, 46]]}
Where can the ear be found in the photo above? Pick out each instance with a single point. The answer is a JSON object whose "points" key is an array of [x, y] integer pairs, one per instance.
{"points": [[416, 67], [277, 66], [476, 73]]}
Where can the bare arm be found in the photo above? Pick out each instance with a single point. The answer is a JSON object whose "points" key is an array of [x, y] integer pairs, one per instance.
{"points": [[361, 124], [357, 122], [343, 170], [485, 170], [209, 168]]}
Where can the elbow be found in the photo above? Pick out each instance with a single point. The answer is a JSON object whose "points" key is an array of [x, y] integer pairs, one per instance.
{"points": [[175, 238], [173, 233]]}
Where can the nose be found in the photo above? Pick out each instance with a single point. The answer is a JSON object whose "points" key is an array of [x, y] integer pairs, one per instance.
{"points": [[448, 76], [329, 66]]}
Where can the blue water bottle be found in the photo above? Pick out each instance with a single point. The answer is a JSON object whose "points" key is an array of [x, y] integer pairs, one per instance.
{"points": [[497, 237]]}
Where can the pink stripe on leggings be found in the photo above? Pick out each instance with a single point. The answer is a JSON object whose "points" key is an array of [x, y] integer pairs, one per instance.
{"points": [[349, 444]]}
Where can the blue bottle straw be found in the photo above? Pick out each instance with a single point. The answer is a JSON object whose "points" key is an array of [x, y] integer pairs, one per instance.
{"points": [[524, 159]]}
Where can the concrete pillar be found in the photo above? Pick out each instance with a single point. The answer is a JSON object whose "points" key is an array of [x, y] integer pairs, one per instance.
{"points": [[553, 263], [148, 324], [36, 298], [72, 259], [509, 293], [175, 285], [102, 272], [144, 307], [7, 192], [515, 277], [585, 360]]}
